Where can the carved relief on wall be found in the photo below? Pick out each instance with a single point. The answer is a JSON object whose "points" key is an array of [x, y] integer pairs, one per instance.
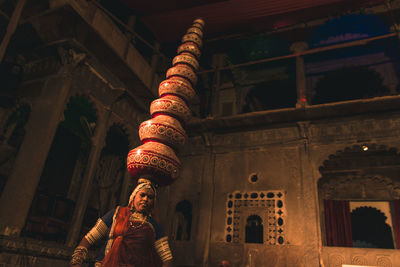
{"points": [[268, 206], [358, 260], [337, 256], [336, 260], [383, 261], [361, 172]]}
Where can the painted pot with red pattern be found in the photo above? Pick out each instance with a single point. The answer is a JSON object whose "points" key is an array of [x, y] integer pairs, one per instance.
{"points": [[177, 86], [195, 30], [154, 161], [184, 71], [191, 48], [186, 58], [171, 105], [192, 37], [164, 129]]}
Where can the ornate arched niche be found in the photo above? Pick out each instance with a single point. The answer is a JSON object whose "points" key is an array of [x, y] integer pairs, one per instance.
{"points": [[363, 175], [362, 172]]}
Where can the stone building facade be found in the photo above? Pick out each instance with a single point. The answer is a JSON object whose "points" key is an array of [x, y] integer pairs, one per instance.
{"points": [[252, 185]]}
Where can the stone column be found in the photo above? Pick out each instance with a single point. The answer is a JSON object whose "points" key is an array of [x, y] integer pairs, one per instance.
{"points": [[301, 84], [309, 198], [125, 193], [218, 62], [130, 36], [155, 60], [12, 26], [98, 142], [206, 203], [21, 186]]}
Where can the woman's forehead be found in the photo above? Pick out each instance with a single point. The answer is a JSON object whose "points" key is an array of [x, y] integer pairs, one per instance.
{"points": [[147, 191]]}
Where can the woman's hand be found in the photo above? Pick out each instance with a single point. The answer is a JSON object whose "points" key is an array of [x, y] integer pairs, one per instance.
{"points": [[80, 253], [167, 263]]}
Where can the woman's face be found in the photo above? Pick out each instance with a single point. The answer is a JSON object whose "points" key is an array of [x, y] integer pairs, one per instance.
{"points": [[144, 200]]}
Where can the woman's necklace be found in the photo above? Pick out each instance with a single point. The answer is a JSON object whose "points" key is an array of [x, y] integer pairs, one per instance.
{"points": [[135, 216]]}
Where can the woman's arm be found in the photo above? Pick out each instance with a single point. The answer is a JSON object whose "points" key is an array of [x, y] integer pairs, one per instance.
{"points": [[95, 234], [167, 263], [163, 250], [80, 253]]}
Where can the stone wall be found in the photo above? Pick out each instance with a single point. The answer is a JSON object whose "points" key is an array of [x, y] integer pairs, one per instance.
{"points": [[286, 158]]}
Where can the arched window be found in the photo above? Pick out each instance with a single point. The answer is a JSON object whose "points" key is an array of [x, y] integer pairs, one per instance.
{"points": [[254, 229], [358, 197], [369, 228], [183, 221]]}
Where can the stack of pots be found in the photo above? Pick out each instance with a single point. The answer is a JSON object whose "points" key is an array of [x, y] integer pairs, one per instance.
{"points": [[163, 135]]}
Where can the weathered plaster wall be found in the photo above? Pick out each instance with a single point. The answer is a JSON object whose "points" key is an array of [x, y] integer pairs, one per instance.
{"points": [[285, 157]]}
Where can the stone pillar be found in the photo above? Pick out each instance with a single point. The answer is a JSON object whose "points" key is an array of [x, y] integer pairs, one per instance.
{"points": [[126, 185], [155, 61], [21, 186], [206, 203], [217, 63], [130, 36], [309, 197], [12, 26], [301, 84], [98, 142]]}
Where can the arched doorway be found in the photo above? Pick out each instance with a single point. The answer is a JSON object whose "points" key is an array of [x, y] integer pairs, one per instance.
{"points": [[58, 188], [254, 229], [108, 177], [183, 221]]}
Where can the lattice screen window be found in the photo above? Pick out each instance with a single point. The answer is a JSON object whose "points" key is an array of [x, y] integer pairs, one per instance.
{"points": [[268, 205]]}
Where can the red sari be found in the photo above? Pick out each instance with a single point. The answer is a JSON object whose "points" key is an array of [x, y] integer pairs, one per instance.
{"points": [[133, 243]]}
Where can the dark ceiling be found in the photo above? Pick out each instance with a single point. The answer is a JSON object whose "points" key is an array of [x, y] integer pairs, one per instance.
{"points": [[168, 20]]}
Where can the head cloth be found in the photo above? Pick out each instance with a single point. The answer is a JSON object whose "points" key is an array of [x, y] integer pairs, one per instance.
{"points": [[145, 184]]}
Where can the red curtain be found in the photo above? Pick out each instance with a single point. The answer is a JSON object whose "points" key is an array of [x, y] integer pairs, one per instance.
{"points": [[338, 223], [396, 205]]}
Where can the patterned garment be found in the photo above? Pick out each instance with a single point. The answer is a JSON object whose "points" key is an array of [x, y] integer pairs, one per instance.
{"points": [[131, 242]]}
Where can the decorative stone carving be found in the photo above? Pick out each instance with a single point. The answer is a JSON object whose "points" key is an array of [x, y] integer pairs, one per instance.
{"points": [[271, 207], [359, 260], [384, 262], [336, 260]]}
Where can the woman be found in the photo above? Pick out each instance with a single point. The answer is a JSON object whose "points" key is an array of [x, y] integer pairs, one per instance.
{"points": [[134, 238]]}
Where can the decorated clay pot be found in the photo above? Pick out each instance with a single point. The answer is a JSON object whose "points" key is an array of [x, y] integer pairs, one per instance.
{"points": [[154, 161], [184, 71], [195, 30], [171, 105], [164, 129], [176, 86], [192, 37], [191, 48], [199, 22], [186, 58]]}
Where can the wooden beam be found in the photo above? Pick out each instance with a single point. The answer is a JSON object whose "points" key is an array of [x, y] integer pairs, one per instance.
{"points": [[12, 26]]}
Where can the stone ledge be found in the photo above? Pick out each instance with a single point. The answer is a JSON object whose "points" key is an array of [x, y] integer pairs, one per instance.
{"points": [[259, 119], [35, 248]]}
